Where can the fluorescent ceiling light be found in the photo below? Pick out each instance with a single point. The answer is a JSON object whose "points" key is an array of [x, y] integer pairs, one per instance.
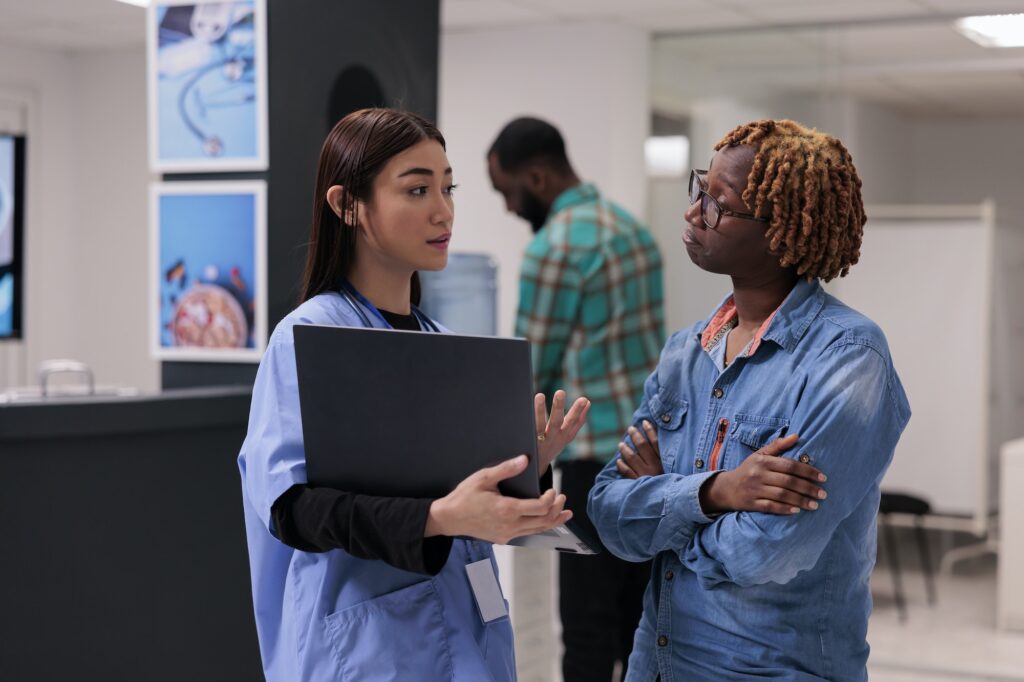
{"points": [[996, 30], [137, 3]]}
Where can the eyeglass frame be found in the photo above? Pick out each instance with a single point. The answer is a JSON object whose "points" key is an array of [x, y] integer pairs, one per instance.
{"points": [[695, 175]]}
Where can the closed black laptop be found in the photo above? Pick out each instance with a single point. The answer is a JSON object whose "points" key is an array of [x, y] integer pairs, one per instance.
{"points": [[411, 414]]}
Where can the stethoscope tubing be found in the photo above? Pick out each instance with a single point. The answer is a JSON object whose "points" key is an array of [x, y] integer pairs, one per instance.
{"points": [[187, 88], [360, 304]]}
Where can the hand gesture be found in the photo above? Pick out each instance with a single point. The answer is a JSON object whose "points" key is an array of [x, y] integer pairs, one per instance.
{"points": [[476, 509], [645, 459], [765, 482], [558, 430]]}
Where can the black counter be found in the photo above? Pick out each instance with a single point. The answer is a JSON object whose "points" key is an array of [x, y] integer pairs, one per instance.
{"points": [[123, 542]]}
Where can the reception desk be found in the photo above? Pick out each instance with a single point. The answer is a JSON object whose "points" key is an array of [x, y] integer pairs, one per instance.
{"points": [[123, 543]]}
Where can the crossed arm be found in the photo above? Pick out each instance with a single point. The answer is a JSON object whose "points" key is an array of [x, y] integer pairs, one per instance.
{"points": [[848, 421]]}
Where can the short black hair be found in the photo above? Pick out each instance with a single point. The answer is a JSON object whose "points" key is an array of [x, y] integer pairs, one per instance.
{"points": [[527, 139]]}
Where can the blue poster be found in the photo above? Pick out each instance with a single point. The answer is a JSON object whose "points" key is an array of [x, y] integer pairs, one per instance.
{"points": [[209, 98], [207, 268]]}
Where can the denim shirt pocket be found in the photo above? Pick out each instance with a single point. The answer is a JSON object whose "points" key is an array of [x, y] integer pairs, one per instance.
{"points": [[668, 414], [751, 433]]}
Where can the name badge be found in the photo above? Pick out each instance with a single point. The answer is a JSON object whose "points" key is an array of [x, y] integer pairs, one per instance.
{"points": [[486, 590]]}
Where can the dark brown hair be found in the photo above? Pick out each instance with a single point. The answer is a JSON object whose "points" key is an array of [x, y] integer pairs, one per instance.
{"points": [[805, 183], [355, 151]]}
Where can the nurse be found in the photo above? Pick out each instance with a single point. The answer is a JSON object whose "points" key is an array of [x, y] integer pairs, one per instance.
{"points": [[356, 587]]}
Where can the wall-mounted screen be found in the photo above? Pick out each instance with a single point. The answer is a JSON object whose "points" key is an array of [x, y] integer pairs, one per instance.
{"points": [[12, 193]]}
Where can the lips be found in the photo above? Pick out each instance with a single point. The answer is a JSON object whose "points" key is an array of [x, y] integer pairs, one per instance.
{"points": [[442, 241], [690, 237]]}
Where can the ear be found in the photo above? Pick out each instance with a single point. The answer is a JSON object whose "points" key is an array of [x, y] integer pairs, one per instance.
{"points": [[535, 177], [336, 200]]}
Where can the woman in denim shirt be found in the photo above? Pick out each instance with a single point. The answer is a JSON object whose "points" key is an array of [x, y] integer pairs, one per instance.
{"points": [[778, 589]]}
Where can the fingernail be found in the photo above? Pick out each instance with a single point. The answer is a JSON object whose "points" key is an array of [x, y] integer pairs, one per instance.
{"points": [[647, 423], [822, 494], [812, 505], [822, 477], [794, 510]]}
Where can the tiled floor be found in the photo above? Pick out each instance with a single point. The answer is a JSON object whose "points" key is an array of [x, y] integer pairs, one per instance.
{"points": [[955, 639]]}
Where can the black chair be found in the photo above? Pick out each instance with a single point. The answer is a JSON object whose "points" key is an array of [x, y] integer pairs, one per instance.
{"points": [[899, 503]]}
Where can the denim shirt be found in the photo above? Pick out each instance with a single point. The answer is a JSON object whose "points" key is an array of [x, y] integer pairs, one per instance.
{"points": [[754, 595]]}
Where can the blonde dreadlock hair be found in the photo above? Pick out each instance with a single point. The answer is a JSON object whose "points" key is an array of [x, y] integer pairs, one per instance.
{"points": [[806, 181]]}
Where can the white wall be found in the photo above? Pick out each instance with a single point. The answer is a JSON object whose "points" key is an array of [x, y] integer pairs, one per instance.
{"points": [[109, 230], [590, 80], [41, 82], [85, 223], [960, 161]]}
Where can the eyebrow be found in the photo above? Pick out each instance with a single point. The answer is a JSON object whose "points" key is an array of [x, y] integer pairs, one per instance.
{"points": [[731, 186], [725, 180], [423, 171]]}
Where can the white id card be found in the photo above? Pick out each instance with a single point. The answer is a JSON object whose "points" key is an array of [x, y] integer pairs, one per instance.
{"points": [[486, 590]]}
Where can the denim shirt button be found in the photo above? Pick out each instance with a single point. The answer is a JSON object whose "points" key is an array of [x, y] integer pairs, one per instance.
{"points": [[698, 464], [805, 458], [666, 417], [662, 640], [669, 575], [718, 393]]}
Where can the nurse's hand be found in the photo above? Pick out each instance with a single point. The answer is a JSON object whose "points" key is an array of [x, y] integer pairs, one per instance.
{"points": [[476, 509], [559, 429]]}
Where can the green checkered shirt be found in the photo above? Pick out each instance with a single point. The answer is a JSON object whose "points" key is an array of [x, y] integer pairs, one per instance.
{"points": [[590, 302]]}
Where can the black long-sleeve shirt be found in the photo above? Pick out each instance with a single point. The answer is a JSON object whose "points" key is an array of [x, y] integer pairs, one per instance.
{"points": [[386, 528]]}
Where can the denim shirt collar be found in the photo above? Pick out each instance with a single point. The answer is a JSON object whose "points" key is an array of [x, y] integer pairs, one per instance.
{"points": [[580, 194], [793, 317]]}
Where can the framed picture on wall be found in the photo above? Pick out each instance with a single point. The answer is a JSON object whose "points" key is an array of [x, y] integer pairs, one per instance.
{"points": [[207, 85], [207, 270]]}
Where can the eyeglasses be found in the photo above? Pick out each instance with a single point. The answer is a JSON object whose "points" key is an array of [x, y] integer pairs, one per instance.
{"points": [[710, 210]]}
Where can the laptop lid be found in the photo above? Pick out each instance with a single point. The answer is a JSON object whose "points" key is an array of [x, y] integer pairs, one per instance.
{"points": [[409, 414]]}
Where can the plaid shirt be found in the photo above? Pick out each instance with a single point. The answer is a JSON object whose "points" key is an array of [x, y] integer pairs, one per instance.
{"points": [[590, 303]]}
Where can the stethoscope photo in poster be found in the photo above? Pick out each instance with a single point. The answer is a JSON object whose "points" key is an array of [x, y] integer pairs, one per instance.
{"points": [[208, 84]]}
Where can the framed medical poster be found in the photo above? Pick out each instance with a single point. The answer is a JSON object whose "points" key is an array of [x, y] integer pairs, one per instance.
{"points": [[208, 270], [207, 85]]}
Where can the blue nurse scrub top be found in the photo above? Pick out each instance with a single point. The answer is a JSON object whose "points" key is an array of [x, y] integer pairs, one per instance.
{"points": [[332, 616]]}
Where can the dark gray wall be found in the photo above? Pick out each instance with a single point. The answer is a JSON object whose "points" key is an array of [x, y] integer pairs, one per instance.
{"points": [[124, 554], [312, 43]]}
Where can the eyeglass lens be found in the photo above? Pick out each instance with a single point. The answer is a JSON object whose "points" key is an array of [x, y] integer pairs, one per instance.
{"points": [[710, 211]]}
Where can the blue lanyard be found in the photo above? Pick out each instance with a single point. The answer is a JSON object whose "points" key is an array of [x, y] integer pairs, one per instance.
{"points": [[349, 292]]}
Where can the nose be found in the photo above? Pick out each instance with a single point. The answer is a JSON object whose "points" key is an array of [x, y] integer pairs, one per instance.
{"points": [[444, 211], [692, 215]]}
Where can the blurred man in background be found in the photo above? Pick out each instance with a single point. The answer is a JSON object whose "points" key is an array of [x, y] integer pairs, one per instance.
{"points": [[590, 303]]}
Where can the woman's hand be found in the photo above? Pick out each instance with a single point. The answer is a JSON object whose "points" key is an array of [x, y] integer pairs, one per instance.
{"points": [[559, 429], [645, 459], [476, 509], [765, 482]]}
